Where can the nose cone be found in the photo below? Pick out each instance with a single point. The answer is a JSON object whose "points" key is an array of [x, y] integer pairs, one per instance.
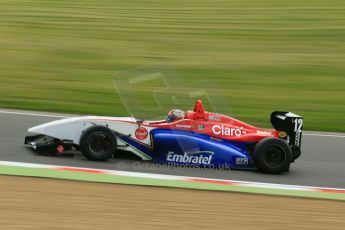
{"points": [[37, 129], [65, 129], [53, 125]]}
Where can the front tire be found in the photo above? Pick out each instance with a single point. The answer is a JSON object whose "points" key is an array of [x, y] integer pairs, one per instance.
{"points": [[98, 143], [272, 155]]}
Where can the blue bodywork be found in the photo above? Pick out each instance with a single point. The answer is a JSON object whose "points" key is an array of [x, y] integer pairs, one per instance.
{"points": [[180, 147]]}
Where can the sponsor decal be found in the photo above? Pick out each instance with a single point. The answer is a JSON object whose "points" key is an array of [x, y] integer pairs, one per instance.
{"points": [[260, 132], [198, 157], [184, 126], [141, 133], [282, 134], [241, 161], [214, 117], [227, 131], [298, 139], [200, 127]]}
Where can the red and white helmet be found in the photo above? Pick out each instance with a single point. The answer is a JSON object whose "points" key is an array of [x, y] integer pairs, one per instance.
{"points": [[175, 114]]}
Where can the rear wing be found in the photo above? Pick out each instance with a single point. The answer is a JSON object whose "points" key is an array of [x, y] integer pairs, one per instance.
{"points": [[292, 124]]}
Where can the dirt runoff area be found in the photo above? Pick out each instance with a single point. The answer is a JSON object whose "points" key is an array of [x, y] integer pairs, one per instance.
{"points": [[34, 203]]}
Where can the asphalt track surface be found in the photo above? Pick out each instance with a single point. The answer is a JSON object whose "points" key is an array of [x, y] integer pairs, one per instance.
{"points": [[322, 162]]}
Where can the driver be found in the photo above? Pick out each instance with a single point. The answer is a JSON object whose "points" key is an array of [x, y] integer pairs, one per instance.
{"points": [[175, 114]]}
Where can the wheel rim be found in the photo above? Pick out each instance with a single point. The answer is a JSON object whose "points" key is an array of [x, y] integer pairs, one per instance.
{"points": [[274, 156], [99, 143]]}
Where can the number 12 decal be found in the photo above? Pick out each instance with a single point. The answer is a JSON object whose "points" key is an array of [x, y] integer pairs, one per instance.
{"points": [[298, 131], [298, 124]]}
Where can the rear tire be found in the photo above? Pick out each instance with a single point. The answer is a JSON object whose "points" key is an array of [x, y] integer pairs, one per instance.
{"points": [[272, 155], [98, 143]]}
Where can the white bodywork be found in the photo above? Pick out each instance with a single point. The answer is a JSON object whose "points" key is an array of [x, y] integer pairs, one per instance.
{"points": [[72, 129]]}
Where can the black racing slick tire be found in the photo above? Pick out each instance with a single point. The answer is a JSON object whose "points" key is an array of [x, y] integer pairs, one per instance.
{"points": [[272, 155], [98, 143]]}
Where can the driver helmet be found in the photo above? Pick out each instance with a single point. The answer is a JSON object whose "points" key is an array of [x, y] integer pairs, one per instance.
{"points": [[175, 114]]}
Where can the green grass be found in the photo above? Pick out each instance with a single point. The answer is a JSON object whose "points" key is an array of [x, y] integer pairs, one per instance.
{"points": [[261, 55]]}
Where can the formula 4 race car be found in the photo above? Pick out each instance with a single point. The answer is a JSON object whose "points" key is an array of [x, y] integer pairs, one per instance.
{"points": [[196, 138]]}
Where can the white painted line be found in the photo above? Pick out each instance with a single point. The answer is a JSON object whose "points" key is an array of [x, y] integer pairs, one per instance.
{"points": [[144, 175], [31, 114], [23, 164], [277, 186], [323, 135]]}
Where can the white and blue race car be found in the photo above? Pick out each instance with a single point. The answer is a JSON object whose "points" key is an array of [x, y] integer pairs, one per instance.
{"points": [[197, 137]]}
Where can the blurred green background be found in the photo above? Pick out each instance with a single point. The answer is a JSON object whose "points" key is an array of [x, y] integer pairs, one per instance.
{"points": [[264, 55]]}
